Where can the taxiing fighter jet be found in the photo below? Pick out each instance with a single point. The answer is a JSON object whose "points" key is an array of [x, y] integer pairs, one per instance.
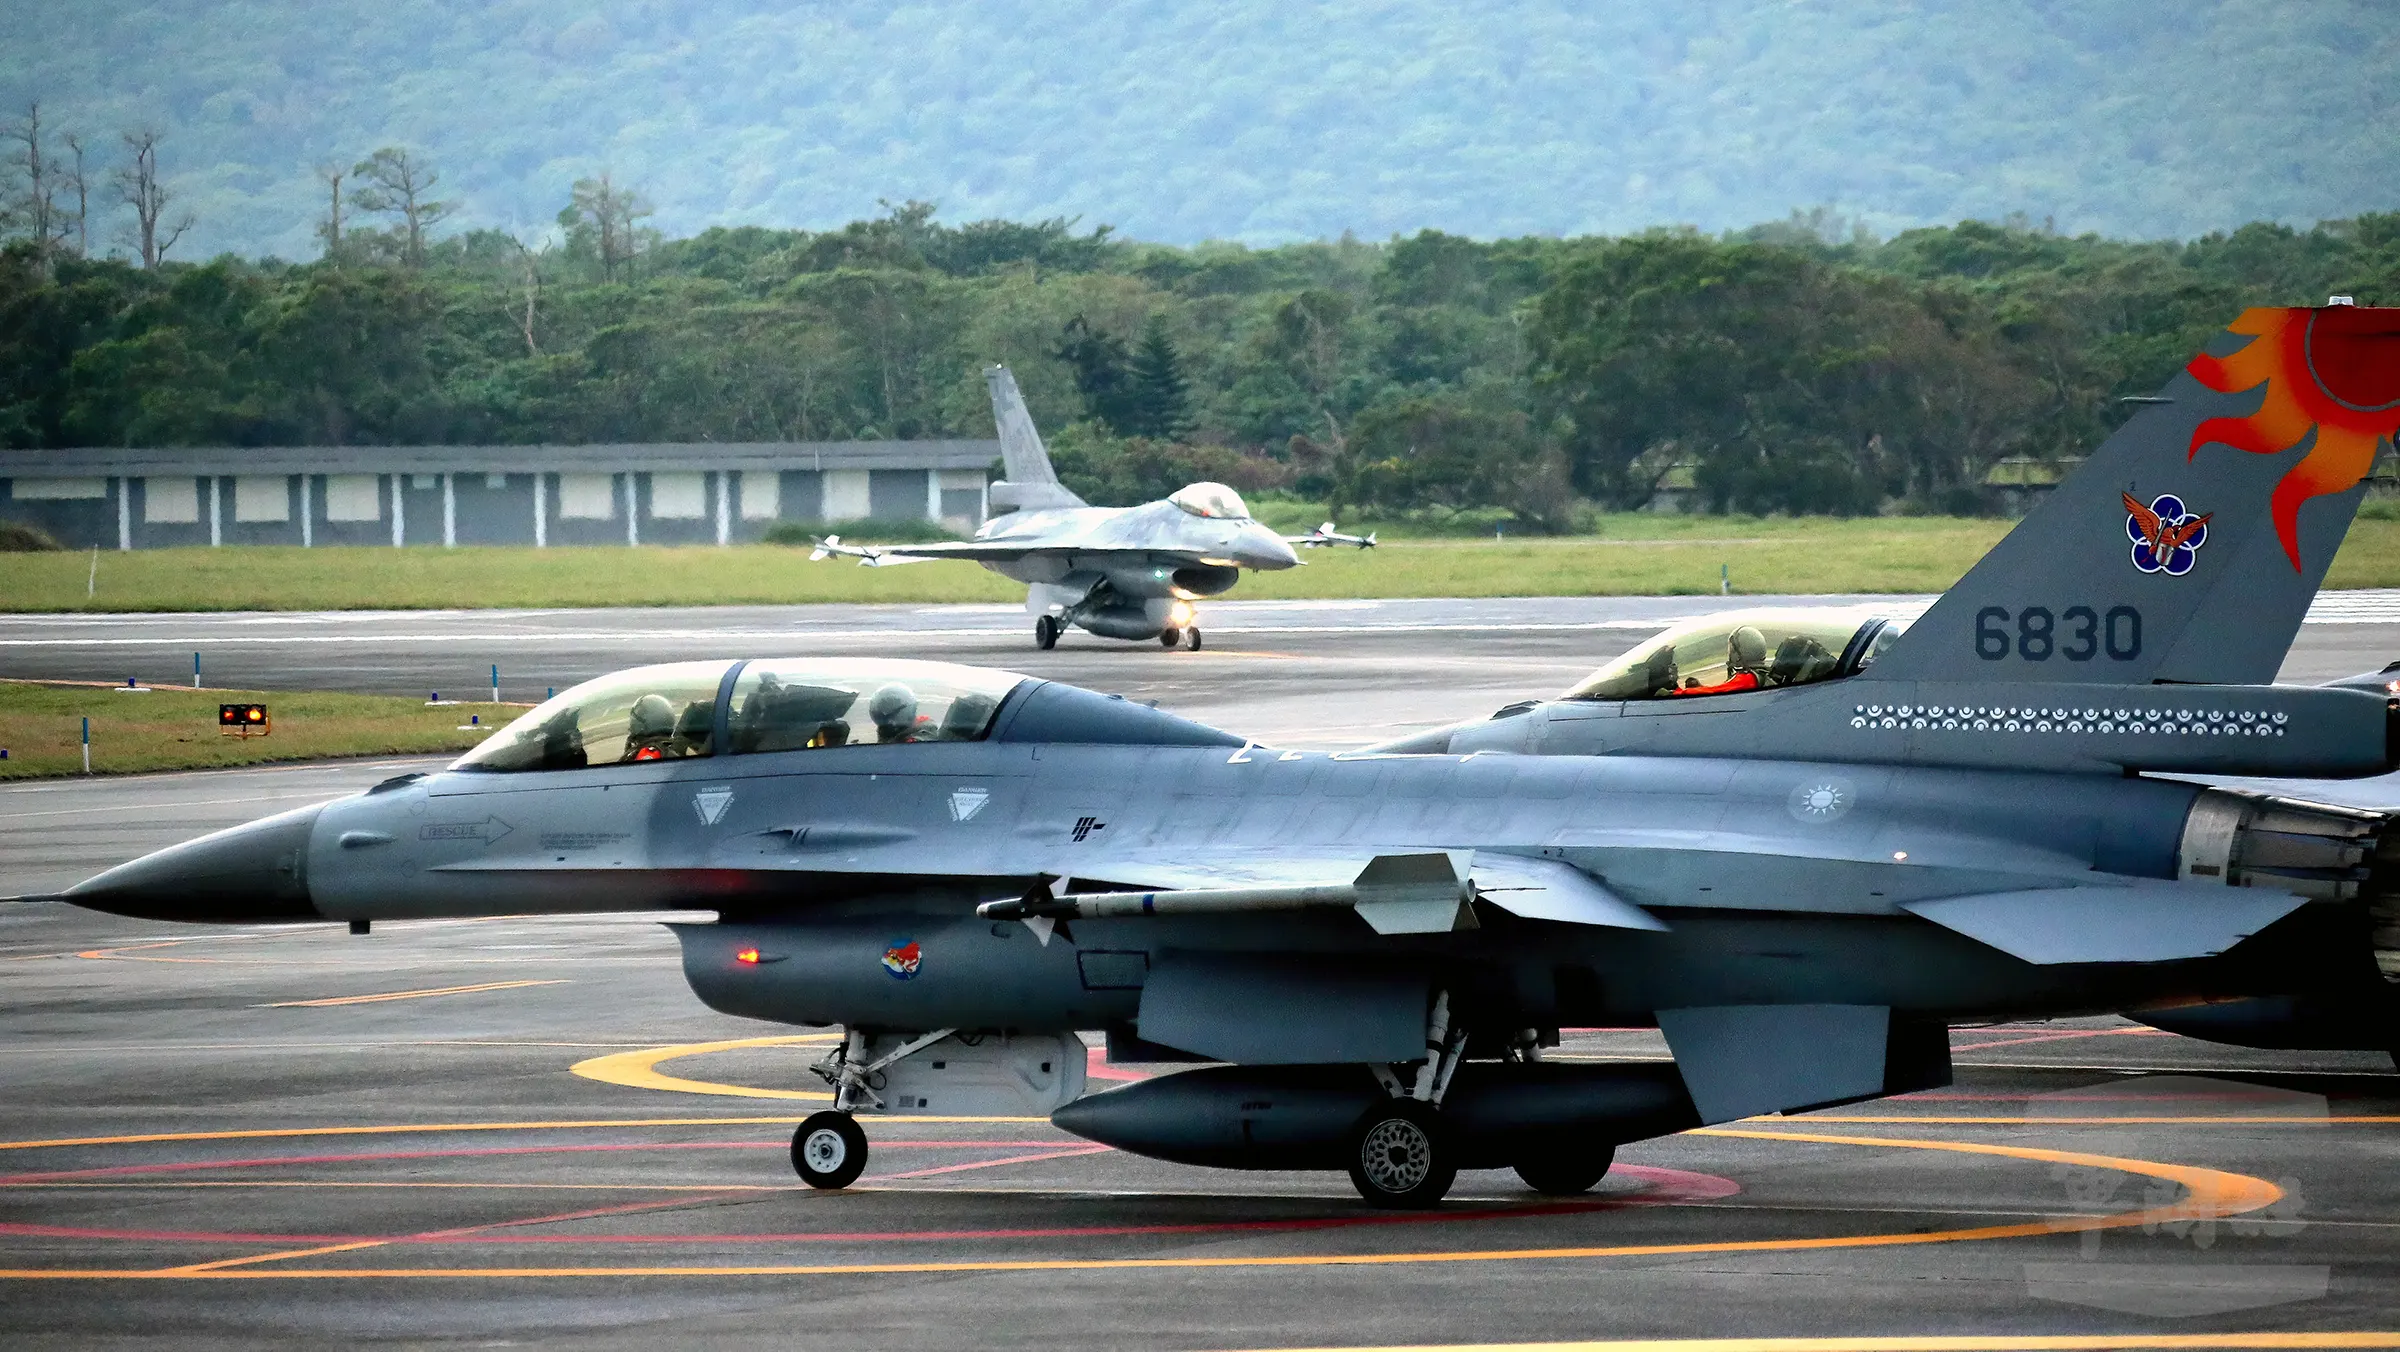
{"points": [[1800, 848], [1120, 572]]}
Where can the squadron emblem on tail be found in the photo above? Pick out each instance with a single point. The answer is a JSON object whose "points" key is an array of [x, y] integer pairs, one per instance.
{"points": [[2166, 539]]}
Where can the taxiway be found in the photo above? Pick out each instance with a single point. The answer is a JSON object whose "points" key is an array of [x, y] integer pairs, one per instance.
{"points": [[529, 1131]]}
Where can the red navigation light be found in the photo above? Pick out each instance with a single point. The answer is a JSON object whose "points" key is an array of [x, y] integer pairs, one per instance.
{"points": [[746, 955]]}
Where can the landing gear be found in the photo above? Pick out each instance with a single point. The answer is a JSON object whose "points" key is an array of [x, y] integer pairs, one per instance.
{"points": [[1566, 1173], [1170, 636], [1399, 1152], [1398, 1157], [1194, 634], [829, 1150], [1045, 632]]}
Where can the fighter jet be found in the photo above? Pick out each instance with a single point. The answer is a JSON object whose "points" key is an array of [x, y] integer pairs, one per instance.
{"points": [[1802, 853], [1120, 572]]}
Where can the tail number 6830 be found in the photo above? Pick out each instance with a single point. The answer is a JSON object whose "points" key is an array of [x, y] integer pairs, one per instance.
{"points": [[2078, 633]]}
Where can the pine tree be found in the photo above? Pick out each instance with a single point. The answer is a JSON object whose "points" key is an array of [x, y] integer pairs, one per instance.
{"points": [[1162, 394]]}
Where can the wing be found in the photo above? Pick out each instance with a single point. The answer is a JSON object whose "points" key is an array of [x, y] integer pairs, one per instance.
{"points": [[986, 551], [2148, 520], [2187, 530]]}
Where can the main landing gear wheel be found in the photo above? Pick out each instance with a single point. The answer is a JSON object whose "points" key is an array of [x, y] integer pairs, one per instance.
{"points": [[829, 1151], [1398, 1157], [1045, 632], [1566, 1173], [1194, 633], [1169, 636]]}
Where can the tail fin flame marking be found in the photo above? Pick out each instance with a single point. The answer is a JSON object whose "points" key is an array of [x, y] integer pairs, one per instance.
{"points": [[2329, 371]]}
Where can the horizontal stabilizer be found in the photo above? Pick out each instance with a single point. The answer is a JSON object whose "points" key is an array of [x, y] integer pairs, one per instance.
{"points": [[1551, 889], [2111, 924]]}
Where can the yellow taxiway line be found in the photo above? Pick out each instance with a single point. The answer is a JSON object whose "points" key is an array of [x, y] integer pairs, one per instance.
{"points": [[639, 1069], [426, 994], [2210, 1194]]}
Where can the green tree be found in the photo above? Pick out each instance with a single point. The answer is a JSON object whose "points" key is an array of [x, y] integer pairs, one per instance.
{"points": [[1161, 393], [399, 182]]}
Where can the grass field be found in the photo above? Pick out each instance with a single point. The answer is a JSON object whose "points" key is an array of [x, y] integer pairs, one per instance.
{"points": [[41, 725], [1633, 555]]}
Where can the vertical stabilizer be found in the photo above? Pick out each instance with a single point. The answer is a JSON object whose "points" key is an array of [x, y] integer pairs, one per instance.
{"points": [[2189, 546], [1031, 483]]}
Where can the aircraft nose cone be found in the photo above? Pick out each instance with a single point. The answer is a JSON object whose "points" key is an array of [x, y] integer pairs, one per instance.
{"points": [[1258, 547], [256, 871]]}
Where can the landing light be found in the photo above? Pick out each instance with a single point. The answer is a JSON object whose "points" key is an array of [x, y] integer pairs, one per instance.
{"points": [[1180, 614]]}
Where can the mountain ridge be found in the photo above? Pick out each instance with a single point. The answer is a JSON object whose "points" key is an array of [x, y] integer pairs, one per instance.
{"points": [[1249, 121]]}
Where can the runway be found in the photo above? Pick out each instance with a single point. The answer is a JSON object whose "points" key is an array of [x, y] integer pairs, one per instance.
{"points": [[518, 1130], [1304, 673]]}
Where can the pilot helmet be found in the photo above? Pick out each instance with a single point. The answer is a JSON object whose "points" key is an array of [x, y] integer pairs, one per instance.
{"points": [[894, 709], [1746, 649], [652, 717]]}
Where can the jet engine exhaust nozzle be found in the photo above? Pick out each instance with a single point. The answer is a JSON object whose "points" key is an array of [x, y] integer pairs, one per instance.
{"points": [[2315, 850], [254, 872]]}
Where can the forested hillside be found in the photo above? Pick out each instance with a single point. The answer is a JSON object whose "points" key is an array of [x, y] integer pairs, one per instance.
{"points": [[1801, 366], [1257, 120]]}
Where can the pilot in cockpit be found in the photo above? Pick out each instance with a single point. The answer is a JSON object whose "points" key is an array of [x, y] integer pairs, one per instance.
{"points": [[894, 711], [1745, 658], [649, 728]]}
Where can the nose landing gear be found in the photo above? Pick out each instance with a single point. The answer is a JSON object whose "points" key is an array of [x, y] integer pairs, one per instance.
{"points": [[1045, 632], [829, 1150]]}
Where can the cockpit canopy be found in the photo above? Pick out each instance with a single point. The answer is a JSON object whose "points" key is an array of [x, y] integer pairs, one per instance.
{"points": [[669, 712], [1214, 501], [1740, 650]]}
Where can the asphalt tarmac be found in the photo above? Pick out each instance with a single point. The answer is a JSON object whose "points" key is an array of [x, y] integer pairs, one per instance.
{"points": [[1304, 673], [528, 1131]]}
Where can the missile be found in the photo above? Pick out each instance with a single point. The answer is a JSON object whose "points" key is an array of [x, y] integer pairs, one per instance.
{"points": [[1396, 893]]}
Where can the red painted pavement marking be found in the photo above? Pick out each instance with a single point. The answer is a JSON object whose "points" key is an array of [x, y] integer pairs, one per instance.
{"points": [[1668, 1187], [187, 1166]]}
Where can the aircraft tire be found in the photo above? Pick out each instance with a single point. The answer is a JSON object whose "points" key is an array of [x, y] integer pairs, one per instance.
{"points": [[1400, 1159], [1566, 1173], [829, 1150], [1045, 632], [1194, 632], [1169, 636]]}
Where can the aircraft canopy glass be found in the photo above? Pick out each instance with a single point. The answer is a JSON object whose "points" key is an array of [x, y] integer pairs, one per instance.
{"points": [[648, 713], [795, 704], [1211, 500], [1741, 650]]}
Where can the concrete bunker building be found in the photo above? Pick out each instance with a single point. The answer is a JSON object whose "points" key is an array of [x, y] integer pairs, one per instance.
{"points": [[705, 493]]}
